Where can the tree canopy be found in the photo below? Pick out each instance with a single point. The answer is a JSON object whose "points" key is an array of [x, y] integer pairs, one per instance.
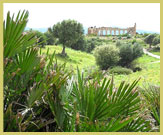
{"points": [[68, 32]]}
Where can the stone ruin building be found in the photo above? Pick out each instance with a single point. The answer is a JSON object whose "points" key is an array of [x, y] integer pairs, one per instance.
{"points": [[103, 31]]}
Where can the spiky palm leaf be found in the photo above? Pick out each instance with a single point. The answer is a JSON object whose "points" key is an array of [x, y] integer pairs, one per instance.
{"points": [[14, 40]]}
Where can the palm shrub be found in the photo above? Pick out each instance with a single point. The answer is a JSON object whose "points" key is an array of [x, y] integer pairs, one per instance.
{"points": [[27, 77], [151, 95], [101, 107]]}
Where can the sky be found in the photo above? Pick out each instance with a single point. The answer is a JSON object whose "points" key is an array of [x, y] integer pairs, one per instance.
{"points": [[123, 15]]}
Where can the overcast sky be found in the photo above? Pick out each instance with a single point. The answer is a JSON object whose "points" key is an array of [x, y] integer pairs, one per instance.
{"points": [[43, 15]]}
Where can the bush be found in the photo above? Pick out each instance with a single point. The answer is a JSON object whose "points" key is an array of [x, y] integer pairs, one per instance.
{"points": [[79, 45], [152, 39], [137, 50], [133, 41], [129, 52], [106, 56], [49, 38], [151, 94], [156, 40], [41, 38], [126, 54], [120, 70], [90, 45], [118, 43]]}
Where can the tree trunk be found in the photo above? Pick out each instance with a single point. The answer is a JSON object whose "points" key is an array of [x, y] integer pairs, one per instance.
{"points": [[63, 51]]}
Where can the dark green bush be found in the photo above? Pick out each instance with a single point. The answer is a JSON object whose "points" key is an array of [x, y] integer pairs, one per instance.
{"points": [[137, 50], [106, 56], [156, 40], [126, 54], [79, 45], [118, 43], [152, 39], [129, 52], [133, 41], [50, 40], [41, 38], [120, 70]]}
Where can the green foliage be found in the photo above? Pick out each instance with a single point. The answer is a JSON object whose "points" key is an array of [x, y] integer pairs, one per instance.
{"points": [[126, 54], [152, 101], [120, 70], [129, 52], [152, 39], [106, 56], [41, 95], [41, 38], [133, 41], [137, 50], [79, 45], [50, 40], [146, 34], [99, 104], [68, 32], [156, 40], [149, 38], [118, 43]]}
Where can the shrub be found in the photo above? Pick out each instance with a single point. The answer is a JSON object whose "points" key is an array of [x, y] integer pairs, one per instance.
{"points": [[151, 95], [156, 40], [149, 39], [129, 52], [137, 50], [49, 38], [90, 45], [106, 56], [126, 54], [79, 45], [135, 66], [120, 70], [118, 43], [133, 41]]}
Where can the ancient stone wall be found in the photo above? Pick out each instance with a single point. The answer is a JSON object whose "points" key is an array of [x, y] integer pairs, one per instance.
{"points": [[103, 31]]}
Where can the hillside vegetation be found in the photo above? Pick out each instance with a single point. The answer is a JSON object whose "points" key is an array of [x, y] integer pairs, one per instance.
{"points": [[107, 84]]}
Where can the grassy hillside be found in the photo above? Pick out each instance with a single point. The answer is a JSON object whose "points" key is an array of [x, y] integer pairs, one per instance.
{"points": [[74, 59], [150, 71]]}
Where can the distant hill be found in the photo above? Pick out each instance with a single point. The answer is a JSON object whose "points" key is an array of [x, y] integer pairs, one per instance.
{"points": [[86, 30]]}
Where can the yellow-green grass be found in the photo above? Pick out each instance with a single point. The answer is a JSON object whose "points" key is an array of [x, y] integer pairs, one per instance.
{"points": [[150, 70], [156, 53], [150, 73], [75, 58]]}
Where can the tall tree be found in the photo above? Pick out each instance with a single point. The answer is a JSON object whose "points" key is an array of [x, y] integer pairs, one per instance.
{"points": [[68, 32]]}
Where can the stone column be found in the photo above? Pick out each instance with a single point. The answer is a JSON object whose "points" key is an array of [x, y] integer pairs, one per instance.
{"points": [[106, 32], [119, 32], [110, 31], [123, 31], [114, 32], [101, 33]]}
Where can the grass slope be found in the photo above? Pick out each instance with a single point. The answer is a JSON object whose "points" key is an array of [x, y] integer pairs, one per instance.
{"points": [[74, 59], [149, 74]]}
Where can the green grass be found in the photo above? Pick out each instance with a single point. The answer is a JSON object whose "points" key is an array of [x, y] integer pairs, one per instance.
{"points": [[74, 59], [156, 53], [149, 74]]}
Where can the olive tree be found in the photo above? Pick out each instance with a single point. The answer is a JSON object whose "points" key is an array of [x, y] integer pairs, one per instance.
{"points": [[149, 39], [68, 32]]}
